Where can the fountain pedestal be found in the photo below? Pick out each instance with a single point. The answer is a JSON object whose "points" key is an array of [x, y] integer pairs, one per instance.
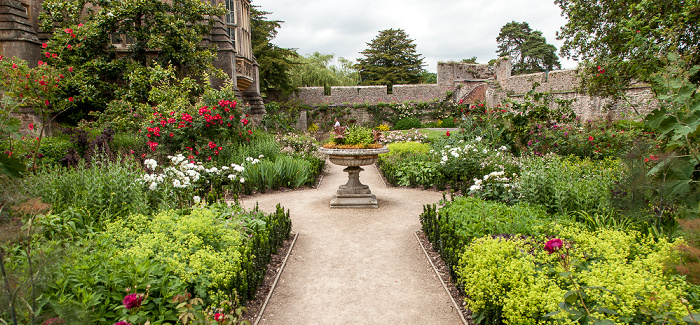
{"points": [[354, 194]]}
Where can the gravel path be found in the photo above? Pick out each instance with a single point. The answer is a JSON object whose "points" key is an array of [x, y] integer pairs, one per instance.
{"points": [[356, 266]]}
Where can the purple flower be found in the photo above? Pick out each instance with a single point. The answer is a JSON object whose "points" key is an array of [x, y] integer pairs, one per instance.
{"points": [[553, 245], [132, 301], [122, 323]]}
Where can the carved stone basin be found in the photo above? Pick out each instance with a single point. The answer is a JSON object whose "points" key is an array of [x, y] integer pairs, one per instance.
{"points": [[353, 194]]}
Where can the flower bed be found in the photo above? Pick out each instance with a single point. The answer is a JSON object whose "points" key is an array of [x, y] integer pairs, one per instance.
{"points": [[217, 253], [498, 257]]}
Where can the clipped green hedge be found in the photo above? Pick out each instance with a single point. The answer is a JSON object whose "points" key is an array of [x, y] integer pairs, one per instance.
{"points": [[216, 253], [459, 222]]}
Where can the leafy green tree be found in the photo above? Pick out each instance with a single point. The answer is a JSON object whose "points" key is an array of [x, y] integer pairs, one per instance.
{"points": [[317, 70], [619, 42], [275, 62], [429, 77], [91, 34], [470, 60], [390, 59], [527, 48]]}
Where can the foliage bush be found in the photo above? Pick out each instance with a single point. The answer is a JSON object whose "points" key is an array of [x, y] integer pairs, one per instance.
{"points": [[217, 253], [459, 222], [563, 185], [407, 123], [103, 190], [405, 165], [621, 276]]}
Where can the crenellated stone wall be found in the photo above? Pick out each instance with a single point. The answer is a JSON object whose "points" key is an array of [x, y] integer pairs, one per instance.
{"points": [[349, 95], [491, 84], [638, 100]]}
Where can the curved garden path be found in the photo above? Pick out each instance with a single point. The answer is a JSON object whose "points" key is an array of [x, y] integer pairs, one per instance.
{"points": [[356, 266]]}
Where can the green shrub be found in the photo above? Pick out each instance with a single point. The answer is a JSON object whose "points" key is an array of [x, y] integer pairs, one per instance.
{"points": [[448, 123], [407, 123], [460, 221], [103, 190], [565, 185], [124, 143], [88, 287], [216, 253], [407, 164], [515, 281], [53, 150]]}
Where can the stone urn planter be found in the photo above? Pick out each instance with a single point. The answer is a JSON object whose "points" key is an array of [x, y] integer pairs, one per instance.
{"points": [[353, 194]]}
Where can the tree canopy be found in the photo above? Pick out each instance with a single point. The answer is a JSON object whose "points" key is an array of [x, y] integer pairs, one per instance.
{"points": [[390, 59], [527, 48], [85, 32], [622, 41], [317, 70], [275, 62]]}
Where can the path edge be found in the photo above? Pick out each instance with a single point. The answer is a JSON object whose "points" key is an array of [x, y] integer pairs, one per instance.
{"points": [[279, 273], [454, 303]]}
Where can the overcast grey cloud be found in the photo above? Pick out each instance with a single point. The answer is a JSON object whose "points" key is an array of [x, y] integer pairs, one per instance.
{"points": [[443, 30]]}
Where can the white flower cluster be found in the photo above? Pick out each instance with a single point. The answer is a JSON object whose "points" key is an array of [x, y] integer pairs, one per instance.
{"points": [[398, 136], [493, 177], [462, 149], [183, 173]]}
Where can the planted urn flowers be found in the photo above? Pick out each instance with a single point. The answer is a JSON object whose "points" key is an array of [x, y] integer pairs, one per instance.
{"points": [[354, 147]]}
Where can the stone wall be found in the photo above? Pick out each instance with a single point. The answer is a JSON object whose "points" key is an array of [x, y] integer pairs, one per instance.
{"points": [[563, 84], [349, 95]]}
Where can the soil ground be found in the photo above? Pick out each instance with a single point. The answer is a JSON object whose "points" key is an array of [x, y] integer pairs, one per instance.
{"points": [[356, 266]]}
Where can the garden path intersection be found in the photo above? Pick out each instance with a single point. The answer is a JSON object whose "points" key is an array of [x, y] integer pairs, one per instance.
{"points": [[356, 266]]}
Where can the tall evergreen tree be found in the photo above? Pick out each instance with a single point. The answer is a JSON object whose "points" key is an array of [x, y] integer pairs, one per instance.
{"points": [[390, 59], [527, 48], [275, 62]]}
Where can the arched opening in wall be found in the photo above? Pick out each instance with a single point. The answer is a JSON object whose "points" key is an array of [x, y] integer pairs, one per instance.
{"points": [[389, 89], [326, 90]]}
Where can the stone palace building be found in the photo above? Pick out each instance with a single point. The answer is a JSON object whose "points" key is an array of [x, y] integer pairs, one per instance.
{"points": [[21, 37]]}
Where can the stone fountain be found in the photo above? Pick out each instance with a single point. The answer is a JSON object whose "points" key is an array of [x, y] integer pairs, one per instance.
{"points": [[353, 194]]}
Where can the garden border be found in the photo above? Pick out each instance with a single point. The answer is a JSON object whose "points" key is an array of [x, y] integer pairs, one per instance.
{"points": [[454, 303], [274, 284]]}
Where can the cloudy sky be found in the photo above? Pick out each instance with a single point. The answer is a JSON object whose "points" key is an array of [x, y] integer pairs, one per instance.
{"points": [[443, 30]]}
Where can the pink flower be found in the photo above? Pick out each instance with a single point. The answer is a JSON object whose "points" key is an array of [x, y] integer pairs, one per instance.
{"points": [[80, 25], [70, 99], [447, 133], [44, 45], [70, 47], [68, 30], [46, 102], [132, 301], [31, 126], [219, 317], [590, 138], [122, 323], [70, 69], [553, 245]]}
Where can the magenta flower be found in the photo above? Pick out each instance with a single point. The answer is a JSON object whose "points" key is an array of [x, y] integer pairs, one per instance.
{"points": [[553, 245], [132, 301], [122, 323]]}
